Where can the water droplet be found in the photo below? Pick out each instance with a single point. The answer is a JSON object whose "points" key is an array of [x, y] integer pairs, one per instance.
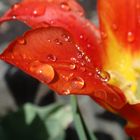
{"points": [[83, 63], [21, 41], [138, 20], [14, 17], [77, 83], [90, 73], [138, 6], [66, 38], [103, 75], [104, 35], [35, 12], [44, 72], [80, 54], [50, 0], [80, 12], [72, 66], [65, 77], [130, 37], [51, 22], [65, 6], [12, 57], [88, 45], [24, 56], [87, 59], [83, 69], [100, 94], [49, 40], [114, 26], [58, 42], [81, 36], [73, 60], [15, 6], [52, 57], [66, 92]]}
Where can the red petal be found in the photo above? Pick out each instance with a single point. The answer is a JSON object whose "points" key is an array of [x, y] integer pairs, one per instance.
{"points": [[54, 57], [67, 14]]}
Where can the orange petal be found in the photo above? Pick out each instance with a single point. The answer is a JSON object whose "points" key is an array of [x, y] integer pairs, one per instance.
{"points": [[120, 33], [54, 57], [122, 20]]}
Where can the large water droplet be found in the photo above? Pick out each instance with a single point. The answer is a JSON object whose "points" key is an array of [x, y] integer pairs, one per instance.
{"points": [[103, 75], [44, 72], [130, 37], [65, 6], [77, 83], [52, 57]]}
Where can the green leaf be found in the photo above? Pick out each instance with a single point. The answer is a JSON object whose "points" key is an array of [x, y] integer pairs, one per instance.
{"points": [[37, 123]]}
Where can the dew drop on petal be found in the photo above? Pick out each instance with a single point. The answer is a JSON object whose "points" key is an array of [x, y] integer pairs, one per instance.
{"points": [[65, 6], [83, 69], [90, 74], [21, 41], [87, 59], [66, 38], [51, 22], [103, 35], [72, 66], [35, 12], [66, 92], [73, 60], [103, 75], [49, 40], [44, 71], [14, 17], [15, 6], [88, 45], [12, 57], [52, 57], [81, 13], [138, 6], [81, 36], [114, 27], [130, 37], [100, 94], [77, 83], [58, 42]]}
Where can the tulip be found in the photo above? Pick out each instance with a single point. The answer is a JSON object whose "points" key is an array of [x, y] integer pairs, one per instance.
{"points": [[71, 55]]}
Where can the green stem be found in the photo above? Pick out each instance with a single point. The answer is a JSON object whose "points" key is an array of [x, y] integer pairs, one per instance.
{"points": [[79, 122]]}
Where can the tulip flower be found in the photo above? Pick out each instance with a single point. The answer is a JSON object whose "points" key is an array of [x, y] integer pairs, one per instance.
{"points": [[67, 52]]}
